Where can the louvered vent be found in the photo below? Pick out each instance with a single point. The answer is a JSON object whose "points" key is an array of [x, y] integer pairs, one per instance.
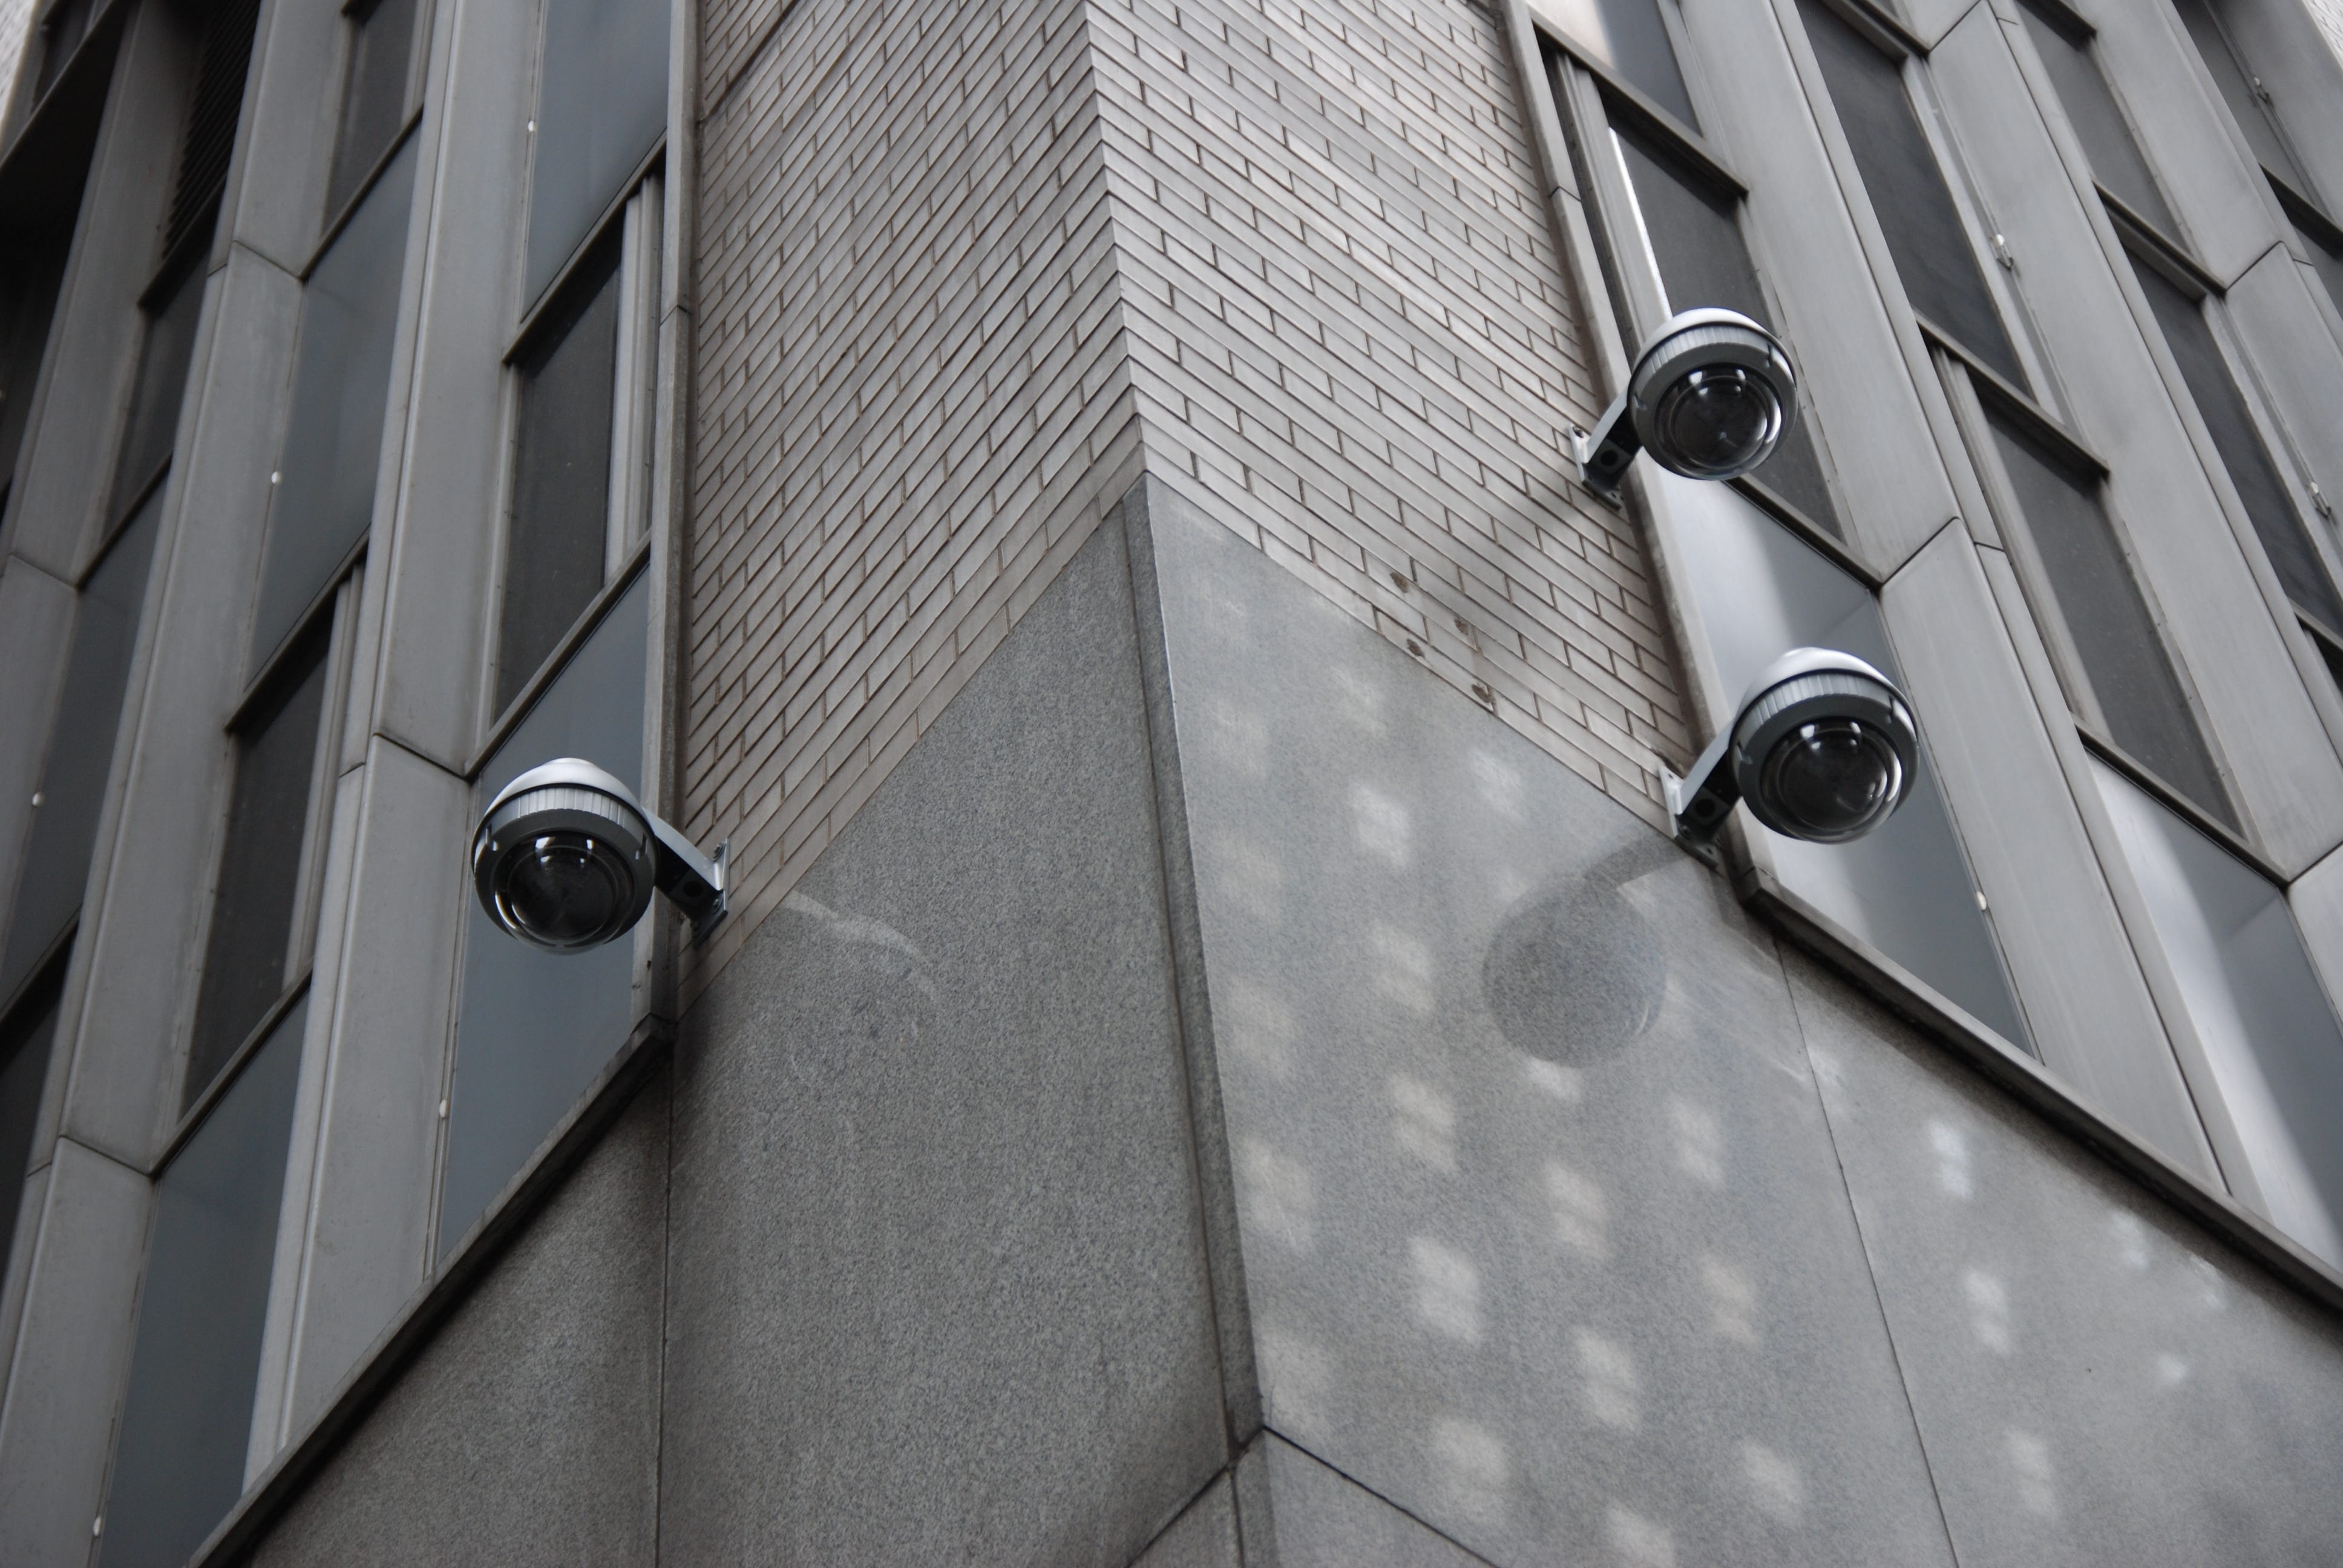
{"points": [[210, 140]]}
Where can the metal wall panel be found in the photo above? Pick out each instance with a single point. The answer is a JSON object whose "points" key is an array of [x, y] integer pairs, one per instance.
{"points": [[1867, 377]]}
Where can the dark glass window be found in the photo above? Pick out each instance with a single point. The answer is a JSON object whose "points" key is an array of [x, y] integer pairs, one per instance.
{"points": [[81, 751], [601, 106], [535, 1028], [2292, 554], [209, 141], [245, 960], [154, 419], [2248, 99], [187, 1415], [30, 273], [26, 1032], [559, 545], [1629, 36], [1696, 240], [2125, 663], [341, 387], [2329, 652], [374, 94], [1941, 273], [2099, 125]]}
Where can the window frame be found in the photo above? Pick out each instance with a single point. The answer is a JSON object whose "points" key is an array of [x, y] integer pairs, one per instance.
{"points": [[338, 613], [418, 63], [636, 225], [1588, 94]]}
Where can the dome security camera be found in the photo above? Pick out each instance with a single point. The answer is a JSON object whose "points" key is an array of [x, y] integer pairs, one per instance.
{"points": [[1709, 398], [1822, 749], [565, 858]]}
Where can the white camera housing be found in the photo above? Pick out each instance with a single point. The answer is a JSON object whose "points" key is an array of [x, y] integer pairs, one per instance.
{"points": [[1823, 749], [565, 858], [1710, 397]]}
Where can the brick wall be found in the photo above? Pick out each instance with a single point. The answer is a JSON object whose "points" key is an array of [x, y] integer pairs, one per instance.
{"points": [[912, 401], [963, 267], [1353, 339]]}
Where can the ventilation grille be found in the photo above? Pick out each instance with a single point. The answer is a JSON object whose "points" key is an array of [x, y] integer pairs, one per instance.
{"points": [[210, 140]]}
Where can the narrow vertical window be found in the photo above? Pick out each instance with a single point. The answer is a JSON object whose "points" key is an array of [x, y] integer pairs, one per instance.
{"points": [[2326, 258], [601, 107], [225, 59], [558, 544], [248, 956], [1694, 237], [2121, 678], [2293, 554], [1631, 37], [27, 1031], [2099, 125], [187, 1415], [81, 752], [161, 383], [1942, 275], [377, 93]]}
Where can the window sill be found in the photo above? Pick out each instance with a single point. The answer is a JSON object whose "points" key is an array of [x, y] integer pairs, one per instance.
{"points": [[2032, 1084]]}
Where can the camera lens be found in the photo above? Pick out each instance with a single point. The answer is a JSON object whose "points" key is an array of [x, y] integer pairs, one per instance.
{"points": [[564, 890], [1831, 780], [1716, 422]]}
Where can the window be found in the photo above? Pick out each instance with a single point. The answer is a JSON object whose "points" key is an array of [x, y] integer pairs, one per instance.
{"points": [[2099, 124], [601, 108], [224, 60], [2250, 102], [380, 92], [324, 502], [1693, 233], [2267, 1027], [533, 1028], [2293, 554], [2323, 248], [1941, 273], [2120, 680], [257, 949], [1630, 37], [153, 422], [27, 1029], [581, 449], [181, 1441], [81, 752]]}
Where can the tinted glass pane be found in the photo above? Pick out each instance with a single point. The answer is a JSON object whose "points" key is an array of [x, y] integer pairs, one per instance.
{"points": [[1697, 242], [601, 105], [81, 751], [374, 95], [2124, 658], [2099, 123], [2236, 86], [1933, 256], [187, 1415], [341, 384], [536, 1027], [154, 419], [561, 483], [260, 866], [1906, 888], [2277, 522], [2267, 1027], [1628, 36], [28, 295], [25, 1036]]}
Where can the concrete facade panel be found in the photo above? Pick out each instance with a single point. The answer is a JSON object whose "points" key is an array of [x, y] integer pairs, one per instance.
{"points": [[1205, 1536], [71, 1353], [529, 1431], [938, 1273], [2096, 1380], [1301, 1513], [37, 618], [1510, 1088]]}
